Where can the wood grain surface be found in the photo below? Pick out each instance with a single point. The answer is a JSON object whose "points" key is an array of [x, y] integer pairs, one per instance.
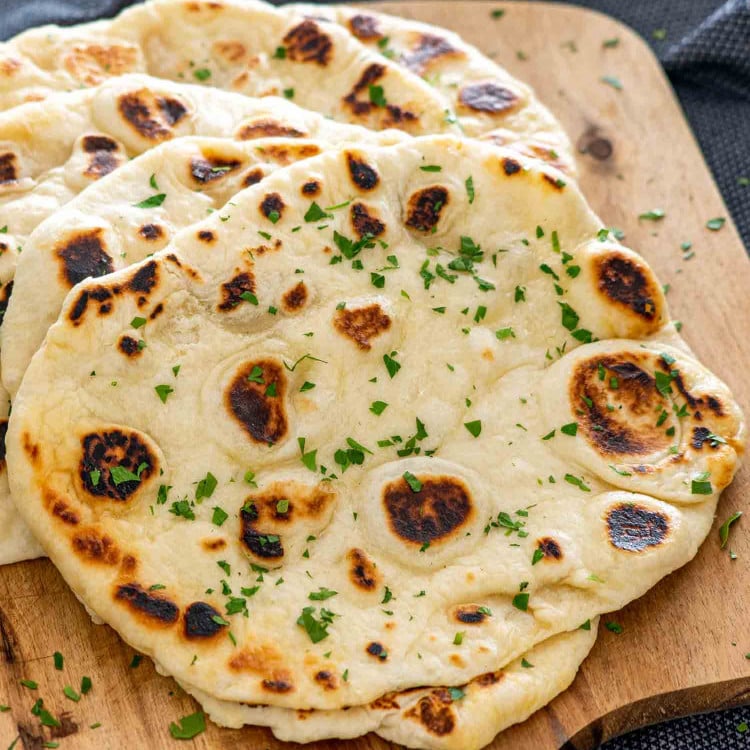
{"points": [[684, 644]]}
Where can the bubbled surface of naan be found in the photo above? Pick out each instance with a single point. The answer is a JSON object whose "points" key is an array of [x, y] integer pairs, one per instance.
{"points": [[462, 319]]}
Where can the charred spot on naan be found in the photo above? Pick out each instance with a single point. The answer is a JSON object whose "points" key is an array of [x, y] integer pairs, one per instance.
{"points": [[267, 515], [83, 254], [441, 508], [285, 154], [3, 433], [59, 507], [5, 291], [94, 546], [152, 117], [267, 661], [326, 679], [272, 207], [143, 282], [307, 43], [231, 50], [620, 405], [511, 167], [115, 463], [488, 679], [267, 128], [470, 614], [364, 27], [104, 155], [435, 712], [151, 608], [92, 63], [424, 208], [129, 346], [9, 171], [311, 188], [253, 177], [363, 572], [364, 221], [200, 621], [151, 232], [634, 528], [364, 176], [488, 97], [362, 324], [551, 549], [212, 166], [295, 298], [243, 282], [359, 103], [207, 236], [703, 437], [428, 49], [256, 399], [378, 650], [630, 284]]}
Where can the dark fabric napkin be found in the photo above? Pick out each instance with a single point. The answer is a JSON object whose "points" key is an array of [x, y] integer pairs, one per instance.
{"points": [[704, 46]]}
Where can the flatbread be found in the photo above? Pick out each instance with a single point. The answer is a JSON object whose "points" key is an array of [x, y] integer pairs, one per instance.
{"points": [[263, 456], [489, 102], [52, 150], [254, 48], [432, 718], [102, 230]]}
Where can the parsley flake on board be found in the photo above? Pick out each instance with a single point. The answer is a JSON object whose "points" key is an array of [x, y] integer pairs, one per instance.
{"points": [[715, 224], [726, 526], [188, 726], [612, 81], [655, 214]]}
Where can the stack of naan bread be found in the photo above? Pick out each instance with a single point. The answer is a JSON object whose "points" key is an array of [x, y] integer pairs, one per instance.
{"points": [[329, 391]]}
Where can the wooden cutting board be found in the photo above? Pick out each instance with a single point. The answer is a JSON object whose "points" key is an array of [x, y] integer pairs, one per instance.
{"points": [[683, 647]]}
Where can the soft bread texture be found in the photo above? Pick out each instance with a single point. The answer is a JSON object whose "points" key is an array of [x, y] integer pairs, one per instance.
{"points": [[450, 489], [103, 229], [256, 49], [52, 150], [432, 718], [488, 101]]}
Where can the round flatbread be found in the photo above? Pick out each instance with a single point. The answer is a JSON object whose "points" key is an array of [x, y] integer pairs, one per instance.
{"points": [[442, 718], [489, 102], [339, 425], [52, 150], [254, 48]]}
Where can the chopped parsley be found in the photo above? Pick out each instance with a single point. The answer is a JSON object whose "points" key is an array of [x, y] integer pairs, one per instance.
{"points": [[521, 601], [138, 322], [655, 214], [612, 81], [202, 74], [153, 202], [317, 630], [715, 224], [726, 526], [412, 481], [470, 189], [188, 726], [206, 487], [378, 407], [58, 659], [474, 428], [163, 392], [391, 364], [377, 96], [431, 168], [614, 627], [570, 429], [119, 474], [182, 508], [577, 482], [321, 594], [219, 516], [315, 213]]}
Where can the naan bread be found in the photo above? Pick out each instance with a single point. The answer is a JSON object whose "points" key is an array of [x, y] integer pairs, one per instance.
{"points": [[489, 102], [52, 150], [102, 230], [254, 48], [432, 718], [357, 401]]}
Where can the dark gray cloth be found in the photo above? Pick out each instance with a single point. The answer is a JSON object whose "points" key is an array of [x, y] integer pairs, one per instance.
{"points": [[704, 46]]}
